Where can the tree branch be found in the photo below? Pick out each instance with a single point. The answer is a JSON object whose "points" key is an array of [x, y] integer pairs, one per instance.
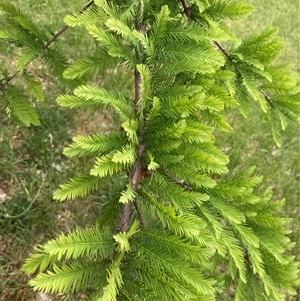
{"points": [[59, 33], [224, 51], [135, 173], [187, 10]]}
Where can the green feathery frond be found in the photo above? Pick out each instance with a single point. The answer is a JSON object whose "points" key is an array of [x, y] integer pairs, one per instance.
{"points": [[69, 278], [159, 30], [92, 16], [39, 261], [115, 47], [23, 33], [202, 4], [254, 91], [20, 21], [176, 270], [181, 247], [114, 278], [95, 242], [219, 9], [186, 224], [79, 186], [192, 176], [126, 155], [121, 29], [87, 97], [130, 127], [171, 192], [110, 202], [57, 63], [146, 81], [282, 80], [263, 48], [122, 239], [91, 145], [106, 166], [27, 55], [115, 281], [92, 242], [34, 87], [128, 195], [18, 105], [98, 62]]}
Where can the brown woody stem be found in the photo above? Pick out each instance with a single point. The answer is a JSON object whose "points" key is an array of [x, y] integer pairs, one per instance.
{"points": [[135, 173], [187, 10]]}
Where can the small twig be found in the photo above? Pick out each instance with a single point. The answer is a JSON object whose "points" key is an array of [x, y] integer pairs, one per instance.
{"points": [[224, 51], [139, 214], [267, 97], [187, 10], [4, 85], [62, 30], [59, 33], [179, 182]]}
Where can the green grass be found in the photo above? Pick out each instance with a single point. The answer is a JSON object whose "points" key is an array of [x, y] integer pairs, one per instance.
{"points": [[32, 165]]}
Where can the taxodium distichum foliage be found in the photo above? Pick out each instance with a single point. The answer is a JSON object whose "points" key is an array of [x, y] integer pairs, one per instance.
{"points": [[179, 226]]}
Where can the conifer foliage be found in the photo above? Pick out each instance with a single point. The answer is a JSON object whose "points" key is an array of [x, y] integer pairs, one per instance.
{"points": [[180, 227]]}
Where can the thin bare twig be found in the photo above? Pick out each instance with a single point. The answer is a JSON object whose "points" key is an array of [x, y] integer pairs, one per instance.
{"points": [[187, 10], [267, 97], [224, 51], [179, 182]]}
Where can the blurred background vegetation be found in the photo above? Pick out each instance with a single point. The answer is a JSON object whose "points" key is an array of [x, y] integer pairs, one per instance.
{"points": [[32, 165]]}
